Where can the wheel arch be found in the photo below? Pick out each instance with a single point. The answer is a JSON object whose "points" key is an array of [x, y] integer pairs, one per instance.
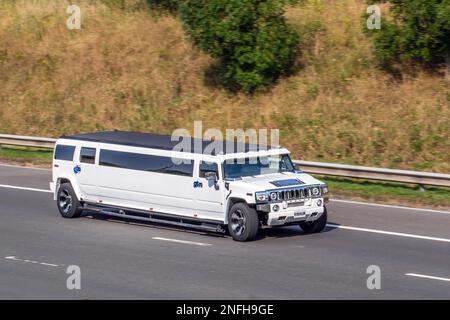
{"points": [[231, 201], [72, 181]]}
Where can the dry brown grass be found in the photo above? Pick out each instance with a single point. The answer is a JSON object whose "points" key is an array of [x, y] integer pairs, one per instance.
{"points": [[129, 70]]}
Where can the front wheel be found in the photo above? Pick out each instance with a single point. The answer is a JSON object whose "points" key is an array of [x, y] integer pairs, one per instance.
{"points": [[243, 222], [317, 225], [68, 204]]}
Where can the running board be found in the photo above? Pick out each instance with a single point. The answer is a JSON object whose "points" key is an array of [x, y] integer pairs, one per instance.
{"points": [[139, 215]]}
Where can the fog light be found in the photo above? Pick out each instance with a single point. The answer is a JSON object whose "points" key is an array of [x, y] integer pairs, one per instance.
{"points": [[319, 202], [276, 208]]}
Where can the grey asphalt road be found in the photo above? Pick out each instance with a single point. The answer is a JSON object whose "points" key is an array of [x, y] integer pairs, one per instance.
{"points": [[123, 260]]}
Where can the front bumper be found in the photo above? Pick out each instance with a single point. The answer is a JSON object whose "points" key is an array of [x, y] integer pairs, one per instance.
{"points": [[289, 213]]}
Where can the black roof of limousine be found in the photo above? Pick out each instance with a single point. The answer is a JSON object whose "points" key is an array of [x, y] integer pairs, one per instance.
{"points": [[157, 141]]}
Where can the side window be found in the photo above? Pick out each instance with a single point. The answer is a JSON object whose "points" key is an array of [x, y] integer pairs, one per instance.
{"points": [[63, 152], [87, 155], [207, 167], [144, 162]]}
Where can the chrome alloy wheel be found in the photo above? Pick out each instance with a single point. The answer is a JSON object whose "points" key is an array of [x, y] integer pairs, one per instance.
{"points": [[65, 201], [238, 222]]}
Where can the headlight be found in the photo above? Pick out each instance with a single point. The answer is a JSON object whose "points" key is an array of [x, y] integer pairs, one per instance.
{"points": [[315, 191], [261, 196], [274, 196], [324, 189]]}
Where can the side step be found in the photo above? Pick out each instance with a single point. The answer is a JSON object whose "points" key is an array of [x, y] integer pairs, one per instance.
{"points": [[156, 218]]}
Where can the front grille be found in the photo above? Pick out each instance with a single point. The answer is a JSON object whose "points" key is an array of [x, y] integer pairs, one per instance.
{"points": [[295, 194]]}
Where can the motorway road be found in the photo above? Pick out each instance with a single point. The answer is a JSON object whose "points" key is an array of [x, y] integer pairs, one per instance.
{"points": [[122, 260]]}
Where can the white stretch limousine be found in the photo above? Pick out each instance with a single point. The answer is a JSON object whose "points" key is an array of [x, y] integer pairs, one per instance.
{"points": [[140, 176]]}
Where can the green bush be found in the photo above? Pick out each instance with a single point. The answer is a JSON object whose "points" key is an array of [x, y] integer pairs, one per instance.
{"points": [[418, 31], [250, 39], [169, 5]]}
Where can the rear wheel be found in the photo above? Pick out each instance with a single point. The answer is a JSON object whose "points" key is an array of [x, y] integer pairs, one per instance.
{"points": [[68, 204], [243, 222], [317, 225]]}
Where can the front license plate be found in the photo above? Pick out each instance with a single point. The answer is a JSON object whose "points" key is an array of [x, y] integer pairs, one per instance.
{"points": [[299, 214]]}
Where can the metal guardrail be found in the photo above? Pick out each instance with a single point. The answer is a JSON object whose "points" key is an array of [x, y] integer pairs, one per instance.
{"points": [[371, 173], [27, 141], [321, 168]]}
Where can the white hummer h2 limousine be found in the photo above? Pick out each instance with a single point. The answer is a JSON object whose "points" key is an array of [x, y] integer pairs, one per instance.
{"points": [[140, 176]]}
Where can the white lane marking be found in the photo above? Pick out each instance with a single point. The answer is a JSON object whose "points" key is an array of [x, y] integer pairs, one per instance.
{"points": [[389, 206], [427, 277], [24, 188], [182, 241], [23, 167], [398, 234], [32, 261]]}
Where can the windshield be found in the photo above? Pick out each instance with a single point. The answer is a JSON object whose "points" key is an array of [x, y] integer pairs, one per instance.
{"points": [[244, 167]]}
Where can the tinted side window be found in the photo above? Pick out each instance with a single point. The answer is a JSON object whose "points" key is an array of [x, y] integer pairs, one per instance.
{"points": [[144, 162], [206, 167], [87, 155], [63, 152]]}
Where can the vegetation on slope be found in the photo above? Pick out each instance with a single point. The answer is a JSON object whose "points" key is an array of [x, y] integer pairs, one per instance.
{"points": [[132, 68]]}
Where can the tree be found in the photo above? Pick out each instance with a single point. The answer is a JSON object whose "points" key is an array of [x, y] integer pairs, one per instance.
{"points": [[418, 31], [250, 39]]}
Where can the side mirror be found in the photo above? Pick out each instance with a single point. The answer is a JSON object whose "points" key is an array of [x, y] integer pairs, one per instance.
{"points": [[211, 176]]}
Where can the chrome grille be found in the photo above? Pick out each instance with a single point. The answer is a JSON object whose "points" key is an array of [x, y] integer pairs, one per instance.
{"points": [[296, 194]]}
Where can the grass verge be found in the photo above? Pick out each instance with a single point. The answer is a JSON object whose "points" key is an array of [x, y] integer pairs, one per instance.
{"points": [[340, 188], [26, 156], [388, 192]]}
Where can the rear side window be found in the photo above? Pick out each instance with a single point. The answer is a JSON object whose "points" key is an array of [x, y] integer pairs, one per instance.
{"points": [[207, 167], [63, 152], [87, 155], [145, 162]]}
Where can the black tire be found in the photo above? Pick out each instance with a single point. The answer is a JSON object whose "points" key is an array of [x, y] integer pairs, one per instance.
{"points": [[243, 222], [317, 225], [67, 202]]}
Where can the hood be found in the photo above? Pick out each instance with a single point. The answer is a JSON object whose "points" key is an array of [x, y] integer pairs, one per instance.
{"points": [[278, 181]]}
